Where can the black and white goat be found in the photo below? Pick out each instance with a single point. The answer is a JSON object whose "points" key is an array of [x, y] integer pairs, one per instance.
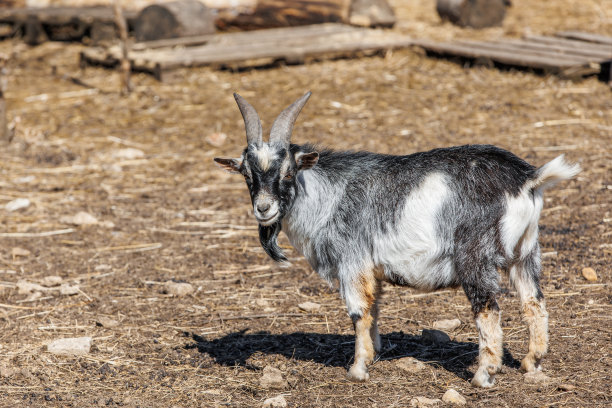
{"points": [[444, 218]]}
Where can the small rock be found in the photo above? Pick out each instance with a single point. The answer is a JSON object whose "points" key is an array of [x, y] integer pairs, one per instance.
{"points": [[6, 372], [17, 252], [424, 402], [410, 364], [216, 139], [272, 378], [80, 218], [178, 288], [589, 274], [434, 337], [70, 346], [309, 306], [103, 267], [536, 377], [25, 288], [50, 281], [17, 204], [453, 397], [128, 154], [447, 325], [275, 402], [107, 322], [69, 290], [567, 387]]}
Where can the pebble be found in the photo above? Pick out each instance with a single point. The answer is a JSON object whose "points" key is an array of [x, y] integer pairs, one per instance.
{"points": [[216, 139], [410, 364], [17, 204], [272, 378], [309, 306], [275, 402], [537, 377], [25, 288], [6, 371], [80, 218], [424, 402], [434, 337], [106, 322], [453, 397], [128, 154], [70, 346], [17, 252], [567, 387], [178, 288], [447, 325], [69, 290], [50, 281], [589, 274]]}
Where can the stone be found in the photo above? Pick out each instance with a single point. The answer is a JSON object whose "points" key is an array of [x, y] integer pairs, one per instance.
{"points": [[410, 364], [566, 387], [128, 154], [275, 402], [453, 397], [17, 252], [69, 290], [216, 139], [309, 306], [106, 322], [25, 288], [6, 372], [272, 378], [447, 325], [50, 281], [17, 204], [80, 218], [178, 288], [74, 346], [536, 377], [434, 337], [423, 402], [589, 274]]}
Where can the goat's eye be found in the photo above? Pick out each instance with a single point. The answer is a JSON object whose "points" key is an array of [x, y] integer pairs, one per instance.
{"points": [[288, 176]]}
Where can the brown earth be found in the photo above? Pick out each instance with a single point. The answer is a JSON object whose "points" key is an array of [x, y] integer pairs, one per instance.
{"points": [[169, 213]]}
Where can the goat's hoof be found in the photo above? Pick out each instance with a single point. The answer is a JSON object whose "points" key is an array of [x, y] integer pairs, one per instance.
{"points": [[358, 373], [483, 379], [531, 365]]}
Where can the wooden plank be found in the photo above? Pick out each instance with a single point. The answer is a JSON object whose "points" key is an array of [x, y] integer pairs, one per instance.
{"points": [[513, 48], [594, 55], [588, 37], [567, 43]]}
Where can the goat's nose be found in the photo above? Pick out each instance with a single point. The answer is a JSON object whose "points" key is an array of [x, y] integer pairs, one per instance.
{"points": [[262, 208]]}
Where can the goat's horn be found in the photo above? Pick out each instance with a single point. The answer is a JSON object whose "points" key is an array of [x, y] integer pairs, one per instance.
{"points": [[252, 123], [283, 125]]}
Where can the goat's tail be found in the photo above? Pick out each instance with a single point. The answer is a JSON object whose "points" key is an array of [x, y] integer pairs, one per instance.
{"points": [[553, 172]]}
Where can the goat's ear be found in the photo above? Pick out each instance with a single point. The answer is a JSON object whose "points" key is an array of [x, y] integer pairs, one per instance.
{"points": [[306, 161], [230, 165]]}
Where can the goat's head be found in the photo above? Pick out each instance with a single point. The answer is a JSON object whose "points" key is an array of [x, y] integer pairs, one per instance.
{"points": [[270, 169]]}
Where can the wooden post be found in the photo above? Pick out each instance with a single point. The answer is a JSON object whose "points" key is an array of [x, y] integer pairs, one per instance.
{"points": [[126, 83], [4, 134], [180, 18]]}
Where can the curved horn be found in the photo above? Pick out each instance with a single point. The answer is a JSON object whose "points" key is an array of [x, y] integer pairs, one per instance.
{"points": [[283, 125], [252, 123]]}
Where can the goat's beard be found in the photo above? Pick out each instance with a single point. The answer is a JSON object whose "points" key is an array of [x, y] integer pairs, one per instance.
{"points": [[268, 236]]}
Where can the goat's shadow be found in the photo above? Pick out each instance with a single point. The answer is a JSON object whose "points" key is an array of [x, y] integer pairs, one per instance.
{"points": [[334, 350]]}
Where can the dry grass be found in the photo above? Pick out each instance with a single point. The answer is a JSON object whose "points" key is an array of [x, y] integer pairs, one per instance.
{"points": [[171, 214]]}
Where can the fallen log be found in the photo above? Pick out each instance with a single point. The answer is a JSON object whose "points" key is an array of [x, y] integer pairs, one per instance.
{"points": [[181, 18], [472, 13]]}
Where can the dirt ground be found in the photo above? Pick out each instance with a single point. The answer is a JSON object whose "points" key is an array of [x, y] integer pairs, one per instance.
{"points": [[166, 212]]}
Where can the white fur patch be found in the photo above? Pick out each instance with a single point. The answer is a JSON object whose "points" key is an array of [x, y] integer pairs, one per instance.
{"points": [[265, 156], [519, 225], [411, 250]]}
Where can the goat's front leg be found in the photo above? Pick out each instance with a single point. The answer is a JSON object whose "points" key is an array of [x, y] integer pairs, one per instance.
{"points": [[360, 297]]}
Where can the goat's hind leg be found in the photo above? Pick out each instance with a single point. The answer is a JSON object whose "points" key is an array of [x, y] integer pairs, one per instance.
{"points": [[525, 277], [360, 297], [483, 293]]}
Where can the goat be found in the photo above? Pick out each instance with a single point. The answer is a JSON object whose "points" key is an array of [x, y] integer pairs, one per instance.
{"points": [[444, 218]]}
